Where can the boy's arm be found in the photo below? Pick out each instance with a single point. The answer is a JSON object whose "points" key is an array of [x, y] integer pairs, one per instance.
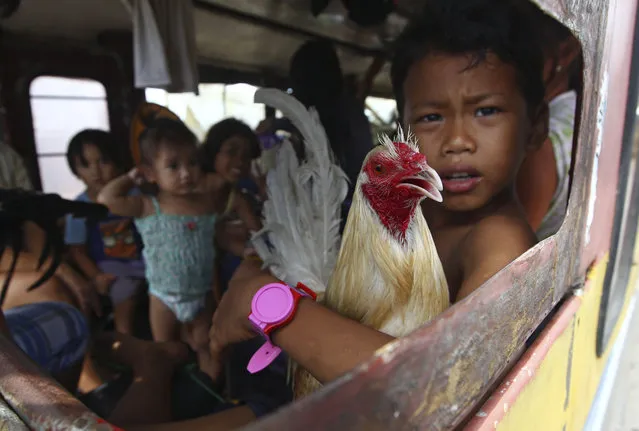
{"points": [[537, 183], [75, 236], [493, 244], [81, 258], [115, 196]]}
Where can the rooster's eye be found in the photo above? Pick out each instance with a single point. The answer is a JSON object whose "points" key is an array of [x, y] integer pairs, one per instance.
{"points": [[379, 169]]}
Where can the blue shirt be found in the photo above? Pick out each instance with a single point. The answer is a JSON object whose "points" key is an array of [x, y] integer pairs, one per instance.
{"points": [[114, 238]]}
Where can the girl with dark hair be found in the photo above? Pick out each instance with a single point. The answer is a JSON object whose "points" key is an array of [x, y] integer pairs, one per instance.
{"points": [[227, 152]]}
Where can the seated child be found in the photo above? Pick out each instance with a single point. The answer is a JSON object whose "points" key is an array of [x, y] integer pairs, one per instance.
{"points": [[227, 152], [109, 253], [467, 77], [177, 226]]}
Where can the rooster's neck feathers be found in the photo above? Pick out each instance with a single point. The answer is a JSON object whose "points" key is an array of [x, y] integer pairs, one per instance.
{"points": [[390, 285]]}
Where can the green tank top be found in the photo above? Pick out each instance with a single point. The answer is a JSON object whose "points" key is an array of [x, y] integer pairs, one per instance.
{"points": [[179, 251]]}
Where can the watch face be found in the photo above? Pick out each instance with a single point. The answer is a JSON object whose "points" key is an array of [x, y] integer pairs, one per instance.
{"points": [[273, 303]]}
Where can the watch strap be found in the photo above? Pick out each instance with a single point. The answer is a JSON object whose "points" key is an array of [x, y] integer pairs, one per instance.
{"points": [[263, 357]]}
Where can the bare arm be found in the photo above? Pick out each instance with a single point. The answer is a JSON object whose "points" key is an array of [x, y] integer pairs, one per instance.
{"points": [[115, 196], [537, 182], [245, 212], [366, 85], [327, 354], [337, 348], [83, 261], [492, 245]]}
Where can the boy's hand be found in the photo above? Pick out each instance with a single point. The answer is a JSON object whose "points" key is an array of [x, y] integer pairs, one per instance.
{"points": [[230, 320], [85, 294], [102, 283], [136, 176]]}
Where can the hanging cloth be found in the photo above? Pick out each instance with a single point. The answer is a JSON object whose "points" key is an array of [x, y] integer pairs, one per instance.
{"points": [[164, 50]]}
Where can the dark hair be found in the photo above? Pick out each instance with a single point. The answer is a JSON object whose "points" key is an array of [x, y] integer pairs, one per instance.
{"points": [[101, 139], [220, 133], [476, 28], [552, 31], [19, 206], [164, 132], [315, 73]]}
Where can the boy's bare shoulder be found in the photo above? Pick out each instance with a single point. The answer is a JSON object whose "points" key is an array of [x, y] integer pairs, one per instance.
{"points": [[490, 246], [501, 234]]}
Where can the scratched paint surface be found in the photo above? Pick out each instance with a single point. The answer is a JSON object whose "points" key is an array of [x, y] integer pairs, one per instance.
{"points": [[554, 384], [559, 395]]}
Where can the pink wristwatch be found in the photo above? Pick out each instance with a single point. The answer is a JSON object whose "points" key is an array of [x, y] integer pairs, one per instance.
{"points": [[273, 307]]}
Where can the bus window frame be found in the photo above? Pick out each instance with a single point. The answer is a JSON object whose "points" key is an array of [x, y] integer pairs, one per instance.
{"points": [[626, 215]]}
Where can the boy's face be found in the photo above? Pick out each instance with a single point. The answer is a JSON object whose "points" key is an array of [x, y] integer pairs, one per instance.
{"points": [[233, 161], [473, 125], [97, 171], [175, 169]]}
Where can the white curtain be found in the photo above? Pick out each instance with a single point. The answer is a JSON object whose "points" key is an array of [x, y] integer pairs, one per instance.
{"points": [[164, 45]]}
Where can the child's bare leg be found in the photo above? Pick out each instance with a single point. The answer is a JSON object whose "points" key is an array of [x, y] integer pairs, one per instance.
{"points": [[148, 399], [164, 324], [124, 295], [198, 338], [90, 378], [124, 315]]}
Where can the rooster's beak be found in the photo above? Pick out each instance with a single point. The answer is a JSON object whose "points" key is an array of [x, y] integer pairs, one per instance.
{"points": [[433, 179], [428, 183]]}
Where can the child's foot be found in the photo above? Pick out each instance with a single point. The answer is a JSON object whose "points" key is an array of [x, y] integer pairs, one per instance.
{"points": [[128, 350]]}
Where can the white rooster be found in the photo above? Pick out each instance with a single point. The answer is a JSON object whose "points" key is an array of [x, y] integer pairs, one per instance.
{"points": [[387, 273]]}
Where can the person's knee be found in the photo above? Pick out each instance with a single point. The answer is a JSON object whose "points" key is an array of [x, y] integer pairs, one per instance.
{"points": [[54, 334]]}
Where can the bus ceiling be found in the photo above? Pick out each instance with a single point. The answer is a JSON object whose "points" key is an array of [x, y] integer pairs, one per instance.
{"points": [[263, 34]]}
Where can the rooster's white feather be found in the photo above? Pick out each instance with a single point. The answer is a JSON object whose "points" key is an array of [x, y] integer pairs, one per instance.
{"points": [[300, 240]]}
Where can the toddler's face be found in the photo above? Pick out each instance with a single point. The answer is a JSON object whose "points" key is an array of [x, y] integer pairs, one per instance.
{"points": [[176, 169], [93, 169], [472, 124], [233, 161]]}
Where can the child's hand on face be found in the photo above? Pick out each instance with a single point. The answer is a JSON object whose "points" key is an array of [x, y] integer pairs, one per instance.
{"points": [[103, 282], [136, 176]]}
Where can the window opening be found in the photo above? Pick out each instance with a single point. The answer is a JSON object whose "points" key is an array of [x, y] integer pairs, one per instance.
{"points": [[60, 108]]}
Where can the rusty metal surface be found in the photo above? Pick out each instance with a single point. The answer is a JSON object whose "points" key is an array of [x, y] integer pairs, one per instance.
{"points": [[435, 377], [9, 421], [39, 401]]}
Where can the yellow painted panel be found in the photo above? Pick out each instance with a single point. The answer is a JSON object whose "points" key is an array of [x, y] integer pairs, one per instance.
{"points": [[571, 363]]}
